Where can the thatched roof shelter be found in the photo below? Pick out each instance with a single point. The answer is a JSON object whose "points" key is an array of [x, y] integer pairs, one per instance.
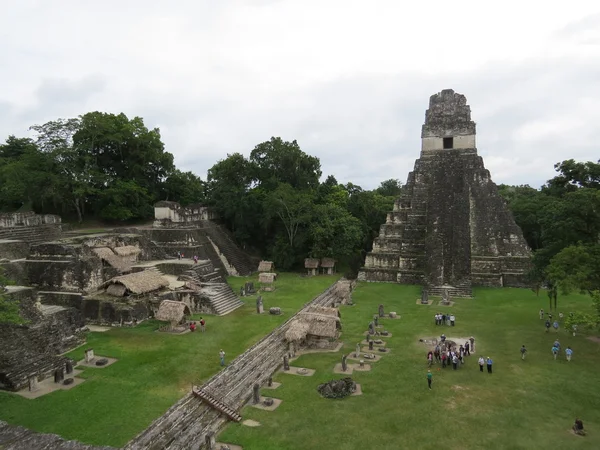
{"points": [[172, 311], [267, 278], [113, 260], [316, 321], [327, 262], [311, 263], [116, 290], [127, 250], [297, 331], [266, 266], [140, 282]]}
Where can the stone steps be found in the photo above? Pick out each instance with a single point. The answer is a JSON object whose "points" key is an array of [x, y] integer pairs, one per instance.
{"points": [[234, 255], [216, 404], [32, 235], [461, 290], [225, 301]]}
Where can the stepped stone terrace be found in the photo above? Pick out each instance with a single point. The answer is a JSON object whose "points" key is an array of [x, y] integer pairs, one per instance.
{"points": [[450, 229]]}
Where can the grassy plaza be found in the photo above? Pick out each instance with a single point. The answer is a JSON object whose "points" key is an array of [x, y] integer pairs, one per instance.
{"points": [[153, 370], [522, 405]]}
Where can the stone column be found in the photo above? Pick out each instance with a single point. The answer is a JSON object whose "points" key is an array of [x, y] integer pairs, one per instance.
{"points": [[59, 375], [256, 394], [286, 363], [370, 345], [344, 365], [381, 313], [209, 440], [69, 367], [270, 382], [33, 383]]}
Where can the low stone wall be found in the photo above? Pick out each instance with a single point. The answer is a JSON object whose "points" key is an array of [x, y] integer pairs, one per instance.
{"points": [[31, 349], [27, 219], [13, 249], [13, 437], [186, 423]]}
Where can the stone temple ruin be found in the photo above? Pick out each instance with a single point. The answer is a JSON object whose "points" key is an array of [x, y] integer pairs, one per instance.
{"points": [[450, 229], [66, 281]]}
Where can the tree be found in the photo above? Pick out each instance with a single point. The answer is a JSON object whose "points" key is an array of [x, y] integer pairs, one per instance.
{"points": [[390, 188], [277, 161], [228, 182], [184, 188], [334, 232], [572, 176], [27, 178], [292, 207], [9, 309], [575, 268], [124, 200]]}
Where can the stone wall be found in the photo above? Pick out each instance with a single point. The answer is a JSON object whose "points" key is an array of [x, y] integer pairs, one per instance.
{"points": [[27, 219], [31, 349], [13, 249], [14, 437], [173, 215], [186, 423]]}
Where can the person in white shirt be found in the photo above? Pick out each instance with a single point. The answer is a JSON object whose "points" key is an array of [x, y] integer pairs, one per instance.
{"points": [[481, 363], [452, 319]]}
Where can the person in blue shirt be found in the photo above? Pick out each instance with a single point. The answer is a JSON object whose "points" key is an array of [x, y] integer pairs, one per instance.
{"points": [[569, 353], [489, 364], [555, 351]]}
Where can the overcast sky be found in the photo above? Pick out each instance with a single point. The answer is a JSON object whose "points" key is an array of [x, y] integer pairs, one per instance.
{"points": [[349, 80]]}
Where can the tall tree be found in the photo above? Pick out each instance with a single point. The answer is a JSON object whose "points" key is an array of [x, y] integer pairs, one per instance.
{"points": [[390, 188], [277, 161]]}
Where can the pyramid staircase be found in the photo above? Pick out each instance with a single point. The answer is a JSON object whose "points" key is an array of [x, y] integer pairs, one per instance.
{"points": [[221, 297], [33, 234], [216, 404], [202, 273], [234, 255], [460, 290]]}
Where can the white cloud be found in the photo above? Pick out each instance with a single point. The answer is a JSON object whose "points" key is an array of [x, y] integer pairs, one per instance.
{"points": [[350, 80]]}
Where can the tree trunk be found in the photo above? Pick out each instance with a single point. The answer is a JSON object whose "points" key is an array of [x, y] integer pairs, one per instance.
{"points": [[79, 215]]}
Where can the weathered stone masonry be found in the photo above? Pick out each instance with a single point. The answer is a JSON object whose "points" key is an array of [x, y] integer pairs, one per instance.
{"points": [[450, 228], [186, 423]]}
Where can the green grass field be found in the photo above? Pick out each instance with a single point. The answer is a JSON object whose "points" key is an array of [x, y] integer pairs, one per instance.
{"points": [[154, 369], [527, 404]]}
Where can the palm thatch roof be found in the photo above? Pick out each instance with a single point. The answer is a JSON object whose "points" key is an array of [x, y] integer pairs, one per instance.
{"points": [[127, 250], [172, 311], [327, 262], [141, 282], [266, 266], [116, 261], [116, 290], [316, 321], [267, 278], [311, 263], [297, 331], [324, 310]]}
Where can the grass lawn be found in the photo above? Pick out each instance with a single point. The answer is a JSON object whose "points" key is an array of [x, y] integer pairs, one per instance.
{"points": [[527, 404], [154, 369]]}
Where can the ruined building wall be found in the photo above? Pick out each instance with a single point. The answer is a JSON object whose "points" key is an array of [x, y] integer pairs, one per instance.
{"points": [[31, 348]]}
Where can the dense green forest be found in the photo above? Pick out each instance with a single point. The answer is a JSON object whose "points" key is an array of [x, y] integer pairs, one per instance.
{"points": [[111, 168]]}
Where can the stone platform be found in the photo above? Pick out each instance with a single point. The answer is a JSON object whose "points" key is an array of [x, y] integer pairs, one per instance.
{"points": [[295, 371], [261, 405], [48, 385], [92, 363]]}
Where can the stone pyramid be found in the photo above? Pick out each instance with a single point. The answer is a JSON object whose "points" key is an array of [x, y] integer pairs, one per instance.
{"points": [[450, 229]]}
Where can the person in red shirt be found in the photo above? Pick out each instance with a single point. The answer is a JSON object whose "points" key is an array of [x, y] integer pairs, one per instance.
{"points": [[192, 326]]}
